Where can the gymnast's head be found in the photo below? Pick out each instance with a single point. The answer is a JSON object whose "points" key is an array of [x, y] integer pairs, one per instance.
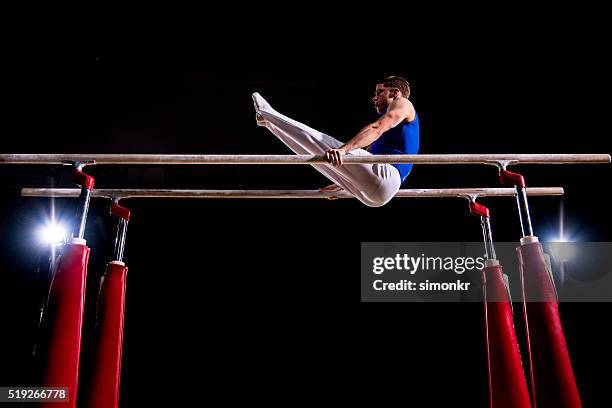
{"points": [[387, 90]]}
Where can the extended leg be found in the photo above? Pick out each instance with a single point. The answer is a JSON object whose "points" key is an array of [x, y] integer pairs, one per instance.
{"points": [[372, 184]]}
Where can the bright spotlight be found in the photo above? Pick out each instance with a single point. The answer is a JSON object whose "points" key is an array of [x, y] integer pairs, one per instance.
{"points": [[562, 251], [52, 234], [557, 238]]}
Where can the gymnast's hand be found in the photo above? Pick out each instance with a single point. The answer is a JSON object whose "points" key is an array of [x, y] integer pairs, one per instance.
{"points": [[334, 156]]}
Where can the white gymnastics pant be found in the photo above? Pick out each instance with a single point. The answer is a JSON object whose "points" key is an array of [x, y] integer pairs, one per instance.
{"points": [[372, 184]]}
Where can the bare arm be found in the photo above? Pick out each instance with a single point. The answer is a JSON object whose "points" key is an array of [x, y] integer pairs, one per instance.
{"points": [[399, 110]]}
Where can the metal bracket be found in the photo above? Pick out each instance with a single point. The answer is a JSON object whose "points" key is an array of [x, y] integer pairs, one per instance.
{"points": [[79, 165]]}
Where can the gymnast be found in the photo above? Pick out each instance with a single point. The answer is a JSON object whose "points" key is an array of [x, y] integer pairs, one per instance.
{"points": [[395, 132]]}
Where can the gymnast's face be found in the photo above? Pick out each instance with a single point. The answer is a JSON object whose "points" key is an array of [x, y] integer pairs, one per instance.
{"points": [[383, 97]]}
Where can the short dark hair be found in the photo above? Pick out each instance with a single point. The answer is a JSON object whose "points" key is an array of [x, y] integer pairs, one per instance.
{"points": [[398, 83]]}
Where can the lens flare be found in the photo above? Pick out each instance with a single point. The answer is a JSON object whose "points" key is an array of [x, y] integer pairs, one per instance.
{"points": [[52, 234]]}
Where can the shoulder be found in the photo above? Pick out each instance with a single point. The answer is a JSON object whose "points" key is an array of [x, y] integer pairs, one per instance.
{"points": [[405, 107]]}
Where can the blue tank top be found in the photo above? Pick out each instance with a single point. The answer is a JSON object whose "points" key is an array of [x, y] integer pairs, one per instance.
{"points": [[402, 139]]}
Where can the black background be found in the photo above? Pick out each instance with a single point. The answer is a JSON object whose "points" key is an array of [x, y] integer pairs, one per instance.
{"points": [[259, 300]]}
